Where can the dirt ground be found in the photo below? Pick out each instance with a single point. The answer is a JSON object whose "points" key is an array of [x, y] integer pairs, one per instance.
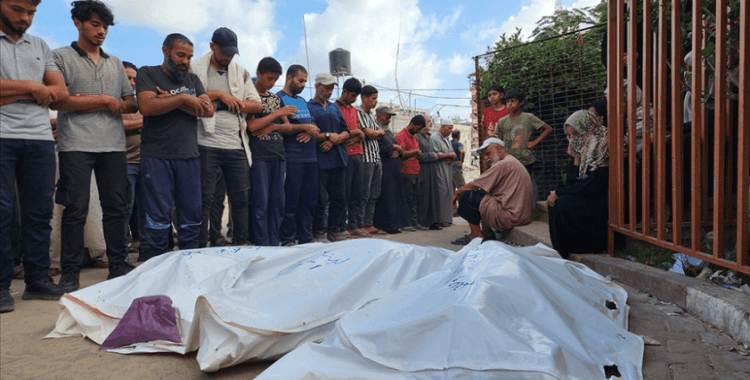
{"points": [[24, 354]]}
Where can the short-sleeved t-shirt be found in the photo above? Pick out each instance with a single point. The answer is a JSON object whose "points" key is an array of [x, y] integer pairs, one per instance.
{"points": [[352, 120], [457, 148], [173, 135], [491, 117], [408, 142], [329, 119], [271, 146], [26, 59], [296, 151], [370, 147], [515, 133], [508, 202], [97, 131], [226, 134]]}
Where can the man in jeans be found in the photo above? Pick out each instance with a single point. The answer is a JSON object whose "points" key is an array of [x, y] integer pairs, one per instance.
{"points": [[355, 165], [301, 184], [223, 140], [410, 167], [133, 124], [91, 136], [332, 160], [30, 81], [373, 166]]}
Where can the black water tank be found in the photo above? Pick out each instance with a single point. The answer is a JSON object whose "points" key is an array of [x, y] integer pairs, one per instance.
{"points": [[340, 62]]}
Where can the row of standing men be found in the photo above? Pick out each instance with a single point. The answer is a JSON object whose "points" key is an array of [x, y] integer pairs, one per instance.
{"points": [[316, 165]]}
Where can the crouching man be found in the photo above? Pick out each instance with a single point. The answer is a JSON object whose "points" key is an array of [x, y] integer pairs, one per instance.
{"points": [[500, 198]]}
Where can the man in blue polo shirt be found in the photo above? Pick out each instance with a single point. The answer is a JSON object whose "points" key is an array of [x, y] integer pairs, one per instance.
{"points": [[301, 185], [30, 81], [332, 160]]}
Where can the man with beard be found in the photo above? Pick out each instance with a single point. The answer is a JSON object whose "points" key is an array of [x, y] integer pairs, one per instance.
{"points": [[373, 166], [222, 140], [171, 99], [444, 184], [391, 209], [410, 167], [332, 160], [430, 162], [91, 137], [500, 198], [301, 184], [30, 81], [269, 156]]}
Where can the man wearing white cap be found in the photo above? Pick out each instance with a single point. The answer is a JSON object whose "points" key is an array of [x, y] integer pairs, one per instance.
{"points": [[500, 198]]}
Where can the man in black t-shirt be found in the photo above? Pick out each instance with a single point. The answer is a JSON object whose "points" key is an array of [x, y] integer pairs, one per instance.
{"points": [[171, 99]]}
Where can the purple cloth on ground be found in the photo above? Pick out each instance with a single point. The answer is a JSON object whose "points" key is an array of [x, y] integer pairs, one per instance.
{"points": [[147, 319]]}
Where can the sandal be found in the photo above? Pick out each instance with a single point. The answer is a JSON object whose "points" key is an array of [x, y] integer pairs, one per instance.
{"points": [[380, 232], [463, 240], [357, 233]]}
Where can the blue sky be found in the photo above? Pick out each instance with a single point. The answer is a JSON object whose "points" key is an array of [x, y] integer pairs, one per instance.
{"points": [[435, 39]]}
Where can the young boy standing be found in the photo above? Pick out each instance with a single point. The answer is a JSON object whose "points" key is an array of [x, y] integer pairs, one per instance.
{"points": [[496, 111], [515, 130], [269, 158]]}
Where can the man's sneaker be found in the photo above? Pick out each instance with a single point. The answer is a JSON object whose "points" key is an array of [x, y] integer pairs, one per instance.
{"points": [[320, 238], [120, 270], [69, 282], [42, 289], [6, 300]]}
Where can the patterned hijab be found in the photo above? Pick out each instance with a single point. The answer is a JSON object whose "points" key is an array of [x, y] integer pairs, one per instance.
{"points": [[591, 142]]}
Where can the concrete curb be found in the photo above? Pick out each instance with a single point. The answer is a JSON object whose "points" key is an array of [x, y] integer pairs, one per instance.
{"points": [[727, 309]]}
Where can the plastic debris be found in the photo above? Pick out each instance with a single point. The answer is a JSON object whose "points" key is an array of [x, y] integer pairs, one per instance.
{"points": [[730, 279], [649, 341], [683, 262], [746, 289]]}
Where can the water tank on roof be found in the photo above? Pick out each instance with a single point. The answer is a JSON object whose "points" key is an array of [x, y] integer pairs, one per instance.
{"points": [[340, 62]]}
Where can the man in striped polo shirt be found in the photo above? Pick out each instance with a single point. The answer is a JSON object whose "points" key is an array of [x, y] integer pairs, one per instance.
{"points": [[373, 167], [91, 136]]}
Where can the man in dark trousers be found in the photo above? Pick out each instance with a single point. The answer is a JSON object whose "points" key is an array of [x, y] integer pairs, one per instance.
{"points": [[332, 161], [171, 99], [30, 81], [91, 137]]}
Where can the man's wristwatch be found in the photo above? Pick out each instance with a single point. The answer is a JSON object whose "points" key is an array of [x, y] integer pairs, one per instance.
{"points": [[328, 135]]}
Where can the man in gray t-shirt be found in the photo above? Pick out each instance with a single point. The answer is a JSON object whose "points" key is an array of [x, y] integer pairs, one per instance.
{"points": [[223, 141], [91, 136], [30, 81]]}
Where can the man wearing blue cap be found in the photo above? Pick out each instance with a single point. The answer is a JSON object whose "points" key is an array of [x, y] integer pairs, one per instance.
{"points": [[500, 198], [222, 139]]}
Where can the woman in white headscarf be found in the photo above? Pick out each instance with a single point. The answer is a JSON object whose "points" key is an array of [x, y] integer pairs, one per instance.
{"points": [[578, 208]]}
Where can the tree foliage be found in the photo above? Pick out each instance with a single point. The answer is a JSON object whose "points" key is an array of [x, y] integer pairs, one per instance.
{"points": [[559, 75]]}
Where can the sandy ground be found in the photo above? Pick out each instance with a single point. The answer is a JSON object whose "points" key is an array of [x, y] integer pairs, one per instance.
{"points": [[24, 354]]}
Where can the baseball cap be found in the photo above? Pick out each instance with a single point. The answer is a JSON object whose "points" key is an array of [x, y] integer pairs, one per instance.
{"points": [[226, 40], [384, 109], [491, 140], [325, 79]]}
